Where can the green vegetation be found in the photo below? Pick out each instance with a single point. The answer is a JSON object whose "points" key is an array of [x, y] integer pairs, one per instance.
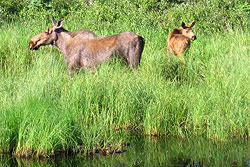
{"points": [[43, 110]]}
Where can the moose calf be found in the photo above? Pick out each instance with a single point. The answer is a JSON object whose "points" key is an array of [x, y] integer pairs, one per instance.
{"points": [[179, 40]]}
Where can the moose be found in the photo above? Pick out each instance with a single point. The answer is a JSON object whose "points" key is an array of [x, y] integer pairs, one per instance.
{"points": [[179, 40], [83, 48]]}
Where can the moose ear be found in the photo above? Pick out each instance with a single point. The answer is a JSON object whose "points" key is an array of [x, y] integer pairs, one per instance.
{"points": [[183, 25], [54, 21], [59, 24], [192, 24]]}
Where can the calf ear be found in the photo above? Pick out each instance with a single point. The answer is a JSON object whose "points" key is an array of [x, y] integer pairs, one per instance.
{"points": [[192, 24], [183, 25]]}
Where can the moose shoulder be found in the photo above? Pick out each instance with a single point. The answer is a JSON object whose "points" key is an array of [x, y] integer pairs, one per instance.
{"points": [[84, 49], [179, 40]]}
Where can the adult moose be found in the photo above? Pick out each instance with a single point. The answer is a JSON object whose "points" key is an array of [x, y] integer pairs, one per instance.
{"points": [[179, 40], [84, 49]]}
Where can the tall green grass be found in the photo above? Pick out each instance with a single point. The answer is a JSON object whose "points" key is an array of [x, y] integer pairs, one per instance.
{"points": [[43, 111]]}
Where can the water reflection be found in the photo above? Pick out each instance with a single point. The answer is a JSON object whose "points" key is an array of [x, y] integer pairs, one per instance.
{"points": [[195, 152]]}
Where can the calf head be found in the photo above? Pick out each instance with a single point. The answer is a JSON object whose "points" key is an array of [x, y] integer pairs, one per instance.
{"points": [[187, 31], [47, 37]]}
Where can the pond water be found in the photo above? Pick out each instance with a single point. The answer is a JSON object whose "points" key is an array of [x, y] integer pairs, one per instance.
{"points": [[151, 151]]}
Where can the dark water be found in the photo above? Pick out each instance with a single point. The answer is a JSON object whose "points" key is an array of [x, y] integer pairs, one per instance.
{"points": [[152, 152]]}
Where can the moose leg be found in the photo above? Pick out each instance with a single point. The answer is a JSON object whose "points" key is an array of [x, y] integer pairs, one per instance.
{"points": [[71, 72], [133, 62], [170, 53], [134, 52], [71, 68], [91, 69], [181, 57], [168, 56]]}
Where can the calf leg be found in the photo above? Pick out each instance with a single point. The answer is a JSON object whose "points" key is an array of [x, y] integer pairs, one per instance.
{"points": [[181, 57]]}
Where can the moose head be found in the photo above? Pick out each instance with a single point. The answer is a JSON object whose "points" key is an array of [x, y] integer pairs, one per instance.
{"points": [[187, 31], [48, 37]]}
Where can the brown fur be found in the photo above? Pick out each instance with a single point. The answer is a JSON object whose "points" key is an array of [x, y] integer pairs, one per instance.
{"points": [[179, 40], [84, 49]]}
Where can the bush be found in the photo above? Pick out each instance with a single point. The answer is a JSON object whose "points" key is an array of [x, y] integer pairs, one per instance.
{"points": [[212, 15]]}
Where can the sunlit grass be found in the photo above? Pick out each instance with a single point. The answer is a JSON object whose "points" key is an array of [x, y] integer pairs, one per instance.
{"points": [[43, 110]]}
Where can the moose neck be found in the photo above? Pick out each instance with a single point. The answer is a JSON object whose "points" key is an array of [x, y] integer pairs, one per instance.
{"points": [[63, 36]]}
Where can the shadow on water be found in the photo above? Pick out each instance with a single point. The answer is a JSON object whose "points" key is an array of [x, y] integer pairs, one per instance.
{"points": [[149, 151]]}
